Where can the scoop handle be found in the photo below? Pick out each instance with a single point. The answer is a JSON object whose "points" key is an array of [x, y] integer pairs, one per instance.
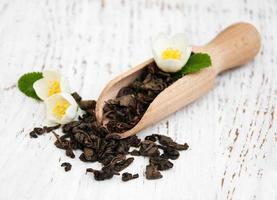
{"points": [[234, 46]]}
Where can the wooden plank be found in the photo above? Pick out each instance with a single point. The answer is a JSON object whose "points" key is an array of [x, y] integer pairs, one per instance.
{"points": [[232, 131]]}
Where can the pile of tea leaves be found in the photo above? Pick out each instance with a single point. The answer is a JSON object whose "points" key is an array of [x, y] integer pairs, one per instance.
{"points": [[131, 102], [98, 143]]}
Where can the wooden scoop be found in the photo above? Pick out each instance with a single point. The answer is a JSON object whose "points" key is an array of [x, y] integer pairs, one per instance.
{"points": [[233, 47]]}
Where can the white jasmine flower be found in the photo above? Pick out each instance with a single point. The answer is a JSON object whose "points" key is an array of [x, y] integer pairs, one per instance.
{"points": [[171, 54], [61, 108], [51, 83]]}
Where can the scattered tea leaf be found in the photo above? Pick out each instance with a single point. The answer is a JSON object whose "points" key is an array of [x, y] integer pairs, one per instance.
{"points": [[128, 176], [67, 166], [161, 163], [152, 172], [40, 131], [69, 152]]}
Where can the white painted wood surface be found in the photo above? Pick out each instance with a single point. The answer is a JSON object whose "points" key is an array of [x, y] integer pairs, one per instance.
{"points": [[232, 132]]}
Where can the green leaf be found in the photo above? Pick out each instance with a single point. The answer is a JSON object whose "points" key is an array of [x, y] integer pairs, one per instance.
{"points": [[195, 63], [25, 84]]}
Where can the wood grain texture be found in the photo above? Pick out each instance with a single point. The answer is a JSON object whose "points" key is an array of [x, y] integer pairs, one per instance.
{"points": [[232, 131]]}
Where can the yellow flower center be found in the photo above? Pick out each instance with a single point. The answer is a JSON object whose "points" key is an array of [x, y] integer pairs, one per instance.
{"points": [[60, 108], [170, 53], [54, 88]]}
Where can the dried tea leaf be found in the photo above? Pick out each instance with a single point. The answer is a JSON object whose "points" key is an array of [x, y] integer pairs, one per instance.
{"points": [[123, 164], [152, 172], [169, 152], [40, 131], [135, 153], [103, 174], [69, 153], [167, 141], [76, 96], [149, 148], [151, 137], [33, 134], [161, 163], [134, 141], [128, 176], [89, 155], [48, 129], [67, 166]]}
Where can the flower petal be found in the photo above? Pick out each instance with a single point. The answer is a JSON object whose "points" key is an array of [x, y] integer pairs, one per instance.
{"points": [[185, 55], [68, 98], [52, 119], [71, 111], [64, 84], [70, 114], [160, 43], [51, 75], [170, 66], [179, 41], [50, 104], [41, 87]]}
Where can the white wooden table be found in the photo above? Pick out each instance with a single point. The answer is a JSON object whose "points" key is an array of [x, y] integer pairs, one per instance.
{"points": [[232, 132]]}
